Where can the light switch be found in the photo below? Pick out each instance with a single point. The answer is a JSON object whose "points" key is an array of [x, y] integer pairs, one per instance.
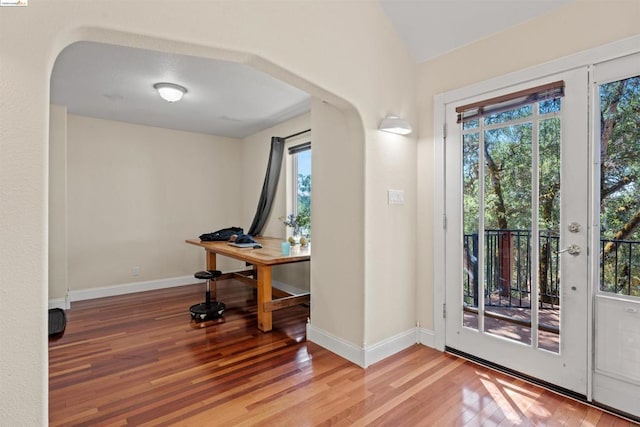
{"points": [[395, 197]]}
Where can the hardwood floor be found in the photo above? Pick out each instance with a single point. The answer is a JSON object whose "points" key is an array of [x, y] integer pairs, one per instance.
{"points": [[137, 360]]}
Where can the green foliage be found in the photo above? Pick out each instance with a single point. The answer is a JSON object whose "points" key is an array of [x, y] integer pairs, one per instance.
{"points": [[304, 193], [620, 163], [304, 203], [509, 176], [301, 220], [507, 171], [619, 186], [549, 174], [509, 148]]}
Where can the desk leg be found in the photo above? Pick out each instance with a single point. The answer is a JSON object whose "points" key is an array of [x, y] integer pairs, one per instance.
{"points": [[211, 265], [264, 295]]}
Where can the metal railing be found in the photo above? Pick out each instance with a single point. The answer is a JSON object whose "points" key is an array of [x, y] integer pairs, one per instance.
{"points": [[508, 268], [620, 266]]}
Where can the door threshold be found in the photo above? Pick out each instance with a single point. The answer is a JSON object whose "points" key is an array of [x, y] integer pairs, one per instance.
{"points": [[551, 387]]}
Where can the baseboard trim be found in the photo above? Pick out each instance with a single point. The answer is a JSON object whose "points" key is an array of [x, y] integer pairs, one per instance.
{"points": [[287, 287], [335, 345], [427, 338], [128, 288], [389, 347], [362, 357], [62, 303]]}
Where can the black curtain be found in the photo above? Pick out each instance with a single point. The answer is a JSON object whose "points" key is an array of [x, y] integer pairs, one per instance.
{"points": [[269, 186]]}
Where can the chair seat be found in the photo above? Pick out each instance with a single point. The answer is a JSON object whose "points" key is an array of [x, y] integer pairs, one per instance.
{"points": [[207, 274]]}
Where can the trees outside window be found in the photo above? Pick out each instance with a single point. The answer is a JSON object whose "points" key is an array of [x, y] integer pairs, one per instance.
{"points": [[507, 150], [301, 168], [620, 186]]}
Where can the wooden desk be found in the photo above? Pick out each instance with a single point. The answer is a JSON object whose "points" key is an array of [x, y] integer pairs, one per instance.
{"points": [[262, 259]]}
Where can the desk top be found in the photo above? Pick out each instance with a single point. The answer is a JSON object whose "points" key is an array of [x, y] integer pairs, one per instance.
{"points": [[269, 254]]}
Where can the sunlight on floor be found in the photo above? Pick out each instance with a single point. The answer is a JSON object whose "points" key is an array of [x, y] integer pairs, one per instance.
{"points": [[513, 401]]}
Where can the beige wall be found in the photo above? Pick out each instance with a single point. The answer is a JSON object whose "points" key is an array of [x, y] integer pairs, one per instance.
{"points": [[360, 65], [58, 243], [573, 28], [390, 235], [337, 206], [255, 155], [344, 53], [136, 192]]}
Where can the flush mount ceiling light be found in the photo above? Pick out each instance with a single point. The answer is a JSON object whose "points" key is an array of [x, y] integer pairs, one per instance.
{"points": [[170, 92], [395, 124]]}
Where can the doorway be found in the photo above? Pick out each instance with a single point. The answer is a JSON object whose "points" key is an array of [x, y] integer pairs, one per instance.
{"points": [[516, 237]]}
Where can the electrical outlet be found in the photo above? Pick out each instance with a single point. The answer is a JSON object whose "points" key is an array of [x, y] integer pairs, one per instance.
{"points": [[135, 271]]}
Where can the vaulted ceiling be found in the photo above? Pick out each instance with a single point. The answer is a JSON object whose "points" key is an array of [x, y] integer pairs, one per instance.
{"points": [[234, 100]]}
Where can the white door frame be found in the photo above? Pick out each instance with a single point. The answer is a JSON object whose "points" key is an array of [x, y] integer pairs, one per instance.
{"points": [[586, 58]]}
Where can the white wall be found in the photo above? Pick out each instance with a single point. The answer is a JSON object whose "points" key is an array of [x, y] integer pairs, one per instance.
{"points": [[344, 53], [573, 28], [136, 192]]}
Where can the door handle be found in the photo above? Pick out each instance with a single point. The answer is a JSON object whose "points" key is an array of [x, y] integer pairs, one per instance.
{"points": [[572, 250], [574, 227]]}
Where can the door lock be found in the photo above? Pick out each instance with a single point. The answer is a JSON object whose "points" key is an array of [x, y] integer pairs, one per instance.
{"points": [[572, 250], [574, 227]]}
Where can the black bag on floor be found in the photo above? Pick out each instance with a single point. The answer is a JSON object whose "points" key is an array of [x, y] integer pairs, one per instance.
{"points": [[57, 322]]}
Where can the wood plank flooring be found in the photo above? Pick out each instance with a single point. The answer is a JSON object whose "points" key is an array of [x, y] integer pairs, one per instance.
{"points": [[138, 360]]}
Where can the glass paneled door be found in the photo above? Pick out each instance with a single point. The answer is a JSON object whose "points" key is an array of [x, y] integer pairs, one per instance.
{"points": [[516, 238], [616, 112]]}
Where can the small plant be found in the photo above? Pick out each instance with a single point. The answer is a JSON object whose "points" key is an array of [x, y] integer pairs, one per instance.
{"points": [[301, 226], [297, 222]]}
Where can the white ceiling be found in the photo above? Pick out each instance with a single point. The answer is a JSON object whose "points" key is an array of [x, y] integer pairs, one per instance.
{"points": [[223, 98], [234, 100], [433, 27]]}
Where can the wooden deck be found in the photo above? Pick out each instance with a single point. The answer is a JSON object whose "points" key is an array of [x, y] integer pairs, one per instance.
{"points": [[512, 323], [138, 360]]}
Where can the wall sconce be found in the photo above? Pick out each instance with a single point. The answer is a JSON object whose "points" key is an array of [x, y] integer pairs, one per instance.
{"points": [[170, 92], [395, 124]]}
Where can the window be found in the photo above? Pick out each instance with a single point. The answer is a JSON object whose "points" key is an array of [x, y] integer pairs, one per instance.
{"points": [[300, 195], [619, 189], [511, 157]]}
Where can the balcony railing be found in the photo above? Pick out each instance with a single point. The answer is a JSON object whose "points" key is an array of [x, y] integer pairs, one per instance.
{"points": [[620, 267], [508, 268]]}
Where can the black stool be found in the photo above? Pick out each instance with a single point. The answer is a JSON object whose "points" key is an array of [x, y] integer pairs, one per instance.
{"points": [[208, 309]]}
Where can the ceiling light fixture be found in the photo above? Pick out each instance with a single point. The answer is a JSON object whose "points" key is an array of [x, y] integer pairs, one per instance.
{"points": [[395, 124], [170, 92]]}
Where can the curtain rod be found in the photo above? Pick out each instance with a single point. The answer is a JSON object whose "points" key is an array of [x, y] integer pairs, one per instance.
{"points": [[296, 134]]}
